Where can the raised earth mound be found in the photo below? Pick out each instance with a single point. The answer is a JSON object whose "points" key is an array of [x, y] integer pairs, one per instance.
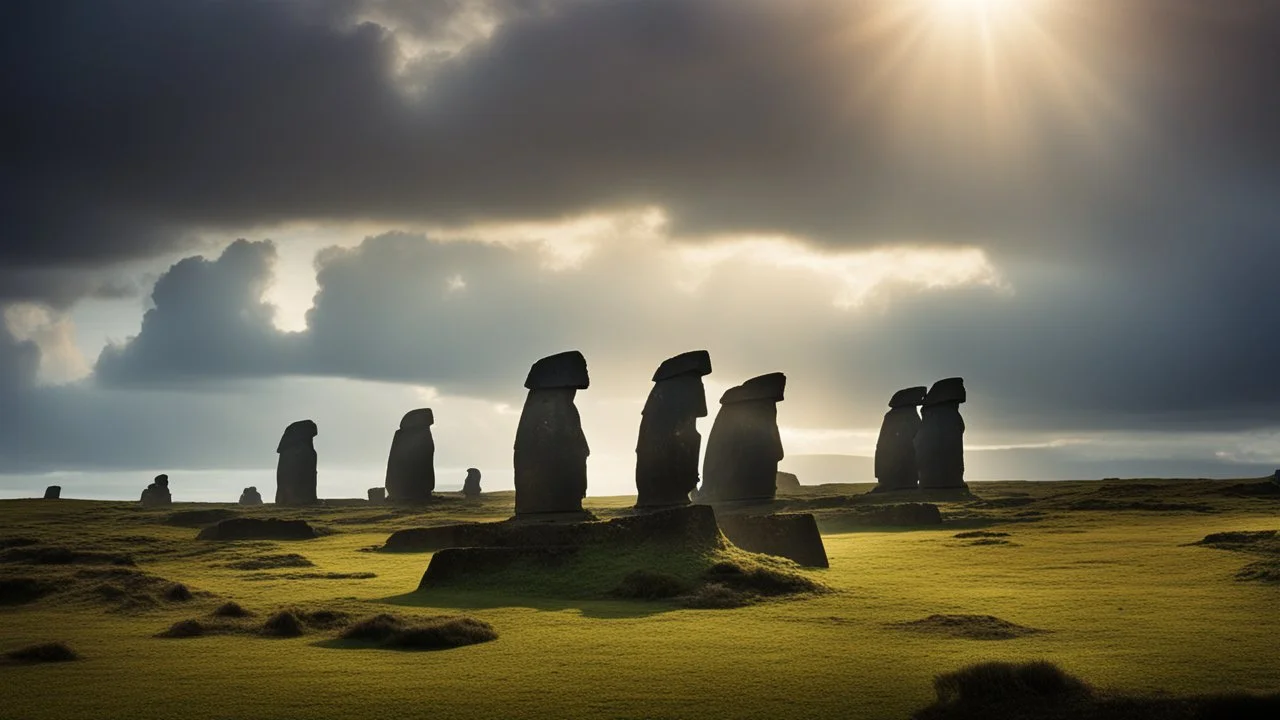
{"points": [[677, 554], [258, 529]]}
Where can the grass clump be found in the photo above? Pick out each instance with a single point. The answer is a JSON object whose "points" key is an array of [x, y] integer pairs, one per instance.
{"points": [[269, 562], [183, 629], [437, 633], [42, 653], [970, 627], [23, 590], [760, 579], [177, 592], [231, 609], [650, 585], [714, 596], [282, 624]]}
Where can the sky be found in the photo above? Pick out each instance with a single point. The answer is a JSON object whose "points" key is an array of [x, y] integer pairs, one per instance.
{"points": [[222, 216]]}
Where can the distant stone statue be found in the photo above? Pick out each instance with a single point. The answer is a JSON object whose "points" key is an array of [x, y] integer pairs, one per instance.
{"points": [[940, 441], [895, 448], [296, 469], [411, 472], [251, 496], [744, 446], [53, 492], [377, 496], [471, 486], [550, 449], [669, 444], [157, 493]]}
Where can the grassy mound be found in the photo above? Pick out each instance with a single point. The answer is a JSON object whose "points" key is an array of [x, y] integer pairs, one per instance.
{"points": [[282, 624], [42, 653], [177, 592], [1254, 542], [650, 585], [1042, 691], [63, 556], [971, 627], [436, 633], [183, 629], [200, 518], [23, 590], [231, 610], [270, 562]]}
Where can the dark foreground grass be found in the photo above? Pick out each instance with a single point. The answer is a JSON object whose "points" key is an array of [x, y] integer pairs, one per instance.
{"points": [[1040, 690], [42, 653], [434, 633]]}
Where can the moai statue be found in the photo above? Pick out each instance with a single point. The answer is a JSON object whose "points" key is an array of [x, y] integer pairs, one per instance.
{"points": [[471, 486], [53, 492], [744, 446], [251, 496], [296, 469], [895, 448], [377, 496], [411, 472], [668, 447], [550, 449], [157, 493], [940, 440]]}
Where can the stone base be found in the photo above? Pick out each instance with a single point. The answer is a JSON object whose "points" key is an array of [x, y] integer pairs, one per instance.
{"points": [[793, 536], [573, 516], [457, 563]]}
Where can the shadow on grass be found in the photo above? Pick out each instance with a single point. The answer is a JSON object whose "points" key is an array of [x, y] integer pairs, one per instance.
{"points": [[603, 608]]}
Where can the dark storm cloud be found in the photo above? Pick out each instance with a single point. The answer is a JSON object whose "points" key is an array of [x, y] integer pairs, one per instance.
{"points": [[132, 123]]}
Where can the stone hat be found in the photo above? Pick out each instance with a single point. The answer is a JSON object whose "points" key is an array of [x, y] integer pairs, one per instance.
{"points": [[162, 479], [762, 387], [297, 433], [948, 390], [910, 397], [694, 362], [564, 370], [421, 417]]}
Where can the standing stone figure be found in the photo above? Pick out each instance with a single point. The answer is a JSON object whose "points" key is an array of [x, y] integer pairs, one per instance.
{"points": [[157, 493], [668, 447], [53, 492], [296, 470], [471, 486], [744, 446], [940, 440], [377, 496], [411, 472], [551, 450], [895, 448], [251, 496]]}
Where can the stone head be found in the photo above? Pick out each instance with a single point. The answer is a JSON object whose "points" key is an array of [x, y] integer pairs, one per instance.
{"points": [[566, 370], [910, 397], [420, 418], [944, 391], [763, 387], [298, 433], [473, 474]]}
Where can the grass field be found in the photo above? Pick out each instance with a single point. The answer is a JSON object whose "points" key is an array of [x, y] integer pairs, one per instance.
{"points": [[1105, 571]]}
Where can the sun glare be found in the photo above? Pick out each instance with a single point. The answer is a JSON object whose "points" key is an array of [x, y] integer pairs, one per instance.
{"points": [[981, 11]]}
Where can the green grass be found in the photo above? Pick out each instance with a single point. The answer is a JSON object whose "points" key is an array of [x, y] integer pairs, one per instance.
{"points": [[1126, 601]]}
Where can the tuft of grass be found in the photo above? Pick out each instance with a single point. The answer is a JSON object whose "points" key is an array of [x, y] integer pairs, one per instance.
{"points": [[282, 624], [650, 585], [997, 682], [177, 592], [714, 596], [971, 627], [23, 590], [230, 609], [183, 629], [762, 579], [268, 562], [437, 633], [43, 653]]}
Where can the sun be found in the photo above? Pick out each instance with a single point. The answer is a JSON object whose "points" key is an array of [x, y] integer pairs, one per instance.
{"points": [[983, 12]]}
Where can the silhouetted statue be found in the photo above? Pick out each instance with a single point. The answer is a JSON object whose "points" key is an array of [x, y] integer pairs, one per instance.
{"points": [[251, 496], [411, 472], [296, 469], [471, 486], [551, 450], [744, 447], [377, 496], [668, 447], [157, 493], [53, 492], [895, 448], [940, 440]]}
